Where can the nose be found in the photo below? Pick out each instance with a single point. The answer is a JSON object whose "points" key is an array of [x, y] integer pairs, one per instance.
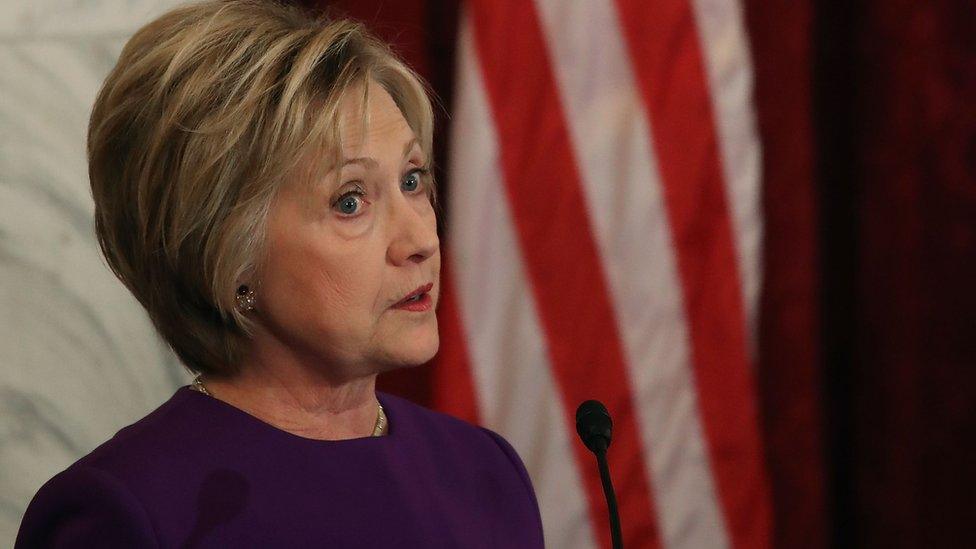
{"points": [[414, 232]]}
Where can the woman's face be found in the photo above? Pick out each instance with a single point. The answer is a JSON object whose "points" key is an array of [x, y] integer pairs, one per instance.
{"points": [[346, 249]]}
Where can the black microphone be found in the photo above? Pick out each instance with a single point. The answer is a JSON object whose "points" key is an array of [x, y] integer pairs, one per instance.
{"points": [[594, 426]]}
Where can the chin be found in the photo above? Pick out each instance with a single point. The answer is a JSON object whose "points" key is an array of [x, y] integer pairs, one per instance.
{"points": [[416, 351], [422, 353]]}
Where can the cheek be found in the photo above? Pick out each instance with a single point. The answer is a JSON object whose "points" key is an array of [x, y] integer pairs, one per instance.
{"points": [[323, 289], [346, 287]]}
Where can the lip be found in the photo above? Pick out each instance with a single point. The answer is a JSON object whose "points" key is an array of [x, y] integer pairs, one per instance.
{"points": [[421, 304]]}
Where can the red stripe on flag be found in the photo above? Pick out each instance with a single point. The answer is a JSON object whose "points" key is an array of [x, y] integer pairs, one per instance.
{"points": [[453, 384], [664, 47], [562, 261]]}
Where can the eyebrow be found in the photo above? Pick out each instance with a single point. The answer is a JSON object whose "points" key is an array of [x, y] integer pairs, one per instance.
{"points": [[369, 162]]}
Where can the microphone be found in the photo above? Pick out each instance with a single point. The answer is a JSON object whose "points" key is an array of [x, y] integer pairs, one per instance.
{"points": [[594, 426]]}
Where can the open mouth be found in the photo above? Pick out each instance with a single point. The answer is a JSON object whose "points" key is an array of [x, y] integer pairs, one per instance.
{"points": [[419, 299]]}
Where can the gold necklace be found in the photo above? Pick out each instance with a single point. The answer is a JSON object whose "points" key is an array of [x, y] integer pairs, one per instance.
{"points": [[378, 429]]}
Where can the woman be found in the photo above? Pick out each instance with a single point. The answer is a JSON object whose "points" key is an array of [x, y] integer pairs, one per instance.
{"points": [[262, 186]]}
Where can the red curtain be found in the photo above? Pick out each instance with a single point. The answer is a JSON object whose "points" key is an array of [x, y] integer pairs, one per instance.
{"points": [[896, 114], [789, 351]]}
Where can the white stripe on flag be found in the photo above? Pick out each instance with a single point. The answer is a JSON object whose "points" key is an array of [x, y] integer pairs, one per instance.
{"points": [[728, 62], [512, 377], [620, 178]]}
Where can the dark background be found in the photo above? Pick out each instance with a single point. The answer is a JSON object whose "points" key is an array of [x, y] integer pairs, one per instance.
{"points": [[867, 113]]}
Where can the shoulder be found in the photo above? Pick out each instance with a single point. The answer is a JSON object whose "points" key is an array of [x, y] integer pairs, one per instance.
{"points": [[82, 507], [477, 458], [106, 495], [169, 432], [451, 435], [425, 423], [120, 489], [512, 457]]}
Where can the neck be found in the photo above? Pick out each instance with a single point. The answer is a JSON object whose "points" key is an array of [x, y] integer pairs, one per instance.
{"points": [[301, 401]]}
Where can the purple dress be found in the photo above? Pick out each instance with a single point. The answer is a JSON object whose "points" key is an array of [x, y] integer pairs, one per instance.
{"points": [[197, 472]]}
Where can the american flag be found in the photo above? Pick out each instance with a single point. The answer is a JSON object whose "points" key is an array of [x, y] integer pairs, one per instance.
{"points": [[603, 241]]}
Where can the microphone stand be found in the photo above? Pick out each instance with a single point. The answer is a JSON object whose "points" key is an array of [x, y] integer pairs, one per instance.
{"points": [[601, 461]]}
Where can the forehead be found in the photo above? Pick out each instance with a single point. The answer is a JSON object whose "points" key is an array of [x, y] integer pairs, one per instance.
{"points": [[374, 124], [374, 128]]}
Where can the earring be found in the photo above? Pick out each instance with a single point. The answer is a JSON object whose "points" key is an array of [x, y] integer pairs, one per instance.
{"points": [[245, 299]]}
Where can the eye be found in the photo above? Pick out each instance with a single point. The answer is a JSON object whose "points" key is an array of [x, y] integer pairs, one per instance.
{"points": [[349, 203], [413, 180]]}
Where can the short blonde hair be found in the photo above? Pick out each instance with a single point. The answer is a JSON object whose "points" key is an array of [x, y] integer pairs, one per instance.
{"points": [[210, 109]]}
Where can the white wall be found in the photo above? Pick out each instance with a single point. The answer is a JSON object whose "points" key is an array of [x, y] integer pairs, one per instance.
{"points": [[78, 356]]}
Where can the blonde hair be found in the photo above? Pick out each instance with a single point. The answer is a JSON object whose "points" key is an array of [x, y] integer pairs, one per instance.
{"points": [[210, 109]]}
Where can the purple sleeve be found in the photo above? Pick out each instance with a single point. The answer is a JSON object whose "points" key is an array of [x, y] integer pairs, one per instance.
{"points": [[535, 535], [85, 507]]}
